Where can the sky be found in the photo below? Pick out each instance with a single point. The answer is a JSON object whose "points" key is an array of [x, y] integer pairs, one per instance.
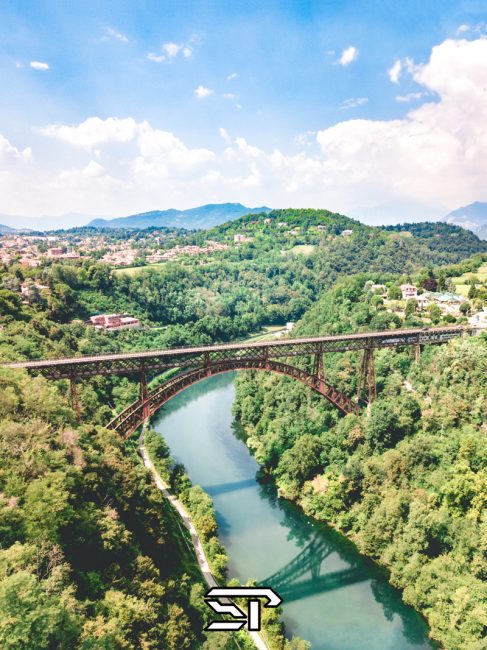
{"points": [[374, 109]]}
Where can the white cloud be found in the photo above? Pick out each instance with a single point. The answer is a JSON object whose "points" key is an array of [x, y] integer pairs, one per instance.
{"points": [[306, 139], [93, 131], [157, 58], [39, 65], [232, 76], [353, 102], [349, 55], [410, 97], [171, 50], [224, 135], [433, 158], [230, 96], [9, 153], [395, 72], [201, 92], [479, 28], [399, 67], [91, 170], [111, 33]]}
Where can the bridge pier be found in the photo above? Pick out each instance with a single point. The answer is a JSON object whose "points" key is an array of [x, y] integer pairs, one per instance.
{"points": [[319, 366], [74, 397], [416, 352], [144, 394], [206, 358], [367, 380]]}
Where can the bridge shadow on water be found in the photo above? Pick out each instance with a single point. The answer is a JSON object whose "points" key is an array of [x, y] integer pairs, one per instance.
{"points": [[223, 488], [306, 574]]}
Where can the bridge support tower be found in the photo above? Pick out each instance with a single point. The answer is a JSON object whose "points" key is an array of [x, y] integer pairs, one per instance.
{"points": [[74, 396], [144, 393], [367, 380], [319, 366]]}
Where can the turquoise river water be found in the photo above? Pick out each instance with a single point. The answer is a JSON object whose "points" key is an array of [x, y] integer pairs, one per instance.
{"points": [[332, 596]]}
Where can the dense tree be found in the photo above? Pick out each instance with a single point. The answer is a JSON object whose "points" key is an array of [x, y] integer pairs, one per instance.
{"points": [[408, 479]]}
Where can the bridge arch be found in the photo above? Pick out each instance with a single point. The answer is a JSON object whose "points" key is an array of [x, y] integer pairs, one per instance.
{"points": [[129, 420]]}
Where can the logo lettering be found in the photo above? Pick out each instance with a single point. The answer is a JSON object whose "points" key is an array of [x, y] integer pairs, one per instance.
{"points": [[252, 618]]}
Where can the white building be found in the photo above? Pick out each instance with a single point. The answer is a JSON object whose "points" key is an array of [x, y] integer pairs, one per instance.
{"points": [[408, 291]]}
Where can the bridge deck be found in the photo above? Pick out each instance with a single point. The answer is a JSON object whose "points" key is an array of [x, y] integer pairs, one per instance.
{"points": [[158, 360]]}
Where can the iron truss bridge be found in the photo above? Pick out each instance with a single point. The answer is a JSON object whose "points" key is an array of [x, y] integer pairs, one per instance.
{"points": [[197, 363]]}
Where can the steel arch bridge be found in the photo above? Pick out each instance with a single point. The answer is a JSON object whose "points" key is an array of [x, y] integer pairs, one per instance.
{"points": [[197, 363], [132, 417]]}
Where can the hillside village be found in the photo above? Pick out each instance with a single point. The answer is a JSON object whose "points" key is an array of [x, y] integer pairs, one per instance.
{"points": [[135, 249]]}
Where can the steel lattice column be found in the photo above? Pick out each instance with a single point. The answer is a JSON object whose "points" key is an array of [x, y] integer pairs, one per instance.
{"points": [[367, 376]]}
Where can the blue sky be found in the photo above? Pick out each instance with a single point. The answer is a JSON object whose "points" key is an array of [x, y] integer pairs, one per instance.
{"points": [[118, 107]]}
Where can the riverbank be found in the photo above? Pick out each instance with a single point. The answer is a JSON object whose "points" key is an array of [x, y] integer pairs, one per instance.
{"points": [[203, 563]]}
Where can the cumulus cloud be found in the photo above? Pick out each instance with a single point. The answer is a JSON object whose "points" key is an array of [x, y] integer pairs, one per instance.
{"points": [[433, 158], [348, 56], [353, 102], [39, 65], [9, 153], [93, 131], [201, 92], [232, 76]]}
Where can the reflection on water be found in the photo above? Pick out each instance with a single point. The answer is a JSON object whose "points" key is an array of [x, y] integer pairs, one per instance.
{"points": [[332, 596]]}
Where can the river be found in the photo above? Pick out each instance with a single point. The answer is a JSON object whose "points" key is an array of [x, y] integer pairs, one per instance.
{"points": [[333, 597]]}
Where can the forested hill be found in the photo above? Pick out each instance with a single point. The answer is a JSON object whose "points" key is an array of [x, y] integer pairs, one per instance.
{"points": [[331, 222], [444, 242], [436, 234], [408, 482], [91, 555]]}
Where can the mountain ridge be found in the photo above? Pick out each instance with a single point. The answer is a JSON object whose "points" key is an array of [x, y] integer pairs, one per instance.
{"points": [[204, 216], [472, 217]]}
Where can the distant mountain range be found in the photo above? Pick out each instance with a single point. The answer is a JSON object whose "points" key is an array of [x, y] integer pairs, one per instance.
{"points": [[472, 217], [204, 216]]}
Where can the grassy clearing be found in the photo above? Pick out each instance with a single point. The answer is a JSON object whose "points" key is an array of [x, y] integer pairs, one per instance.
{"points": [[303, 249], [267, 334], [460, 281], [133, 270]]}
